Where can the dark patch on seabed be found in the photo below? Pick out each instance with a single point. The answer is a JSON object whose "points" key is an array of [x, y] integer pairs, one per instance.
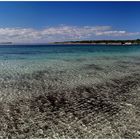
{"points": [[92, 67], [107, 110], [75, 60]]}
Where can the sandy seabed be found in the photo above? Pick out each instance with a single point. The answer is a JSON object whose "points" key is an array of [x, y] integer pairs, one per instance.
{"points": [[79, 98]]}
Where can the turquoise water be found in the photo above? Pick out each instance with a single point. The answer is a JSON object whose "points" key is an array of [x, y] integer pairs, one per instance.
{"points": [[29, 58], [36, 52]]}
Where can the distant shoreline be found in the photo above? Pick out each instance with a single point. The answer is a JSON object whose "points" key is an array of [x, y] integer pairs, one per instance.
{"points": [[76, 44], [100, 42], [91, 44], [82, 42]]}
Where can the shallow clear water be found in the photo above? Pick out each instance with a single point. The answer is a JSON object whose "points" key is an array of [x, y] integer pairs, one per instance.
{"points": [[28, 58], [73, 91]]}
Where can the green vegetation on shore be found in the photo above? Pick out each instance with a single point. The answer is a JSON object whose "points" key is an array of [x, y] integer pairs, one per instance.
{"points": [[107, 42]]}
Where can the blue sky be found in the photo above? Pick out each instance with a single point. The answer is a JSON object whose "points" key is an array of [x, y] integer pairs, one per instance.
{"points": [[60, 21]]}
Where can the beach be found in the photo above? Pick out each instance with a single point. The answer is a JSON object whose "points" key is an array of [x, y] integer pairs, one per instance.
{"points": [[69, 91]]}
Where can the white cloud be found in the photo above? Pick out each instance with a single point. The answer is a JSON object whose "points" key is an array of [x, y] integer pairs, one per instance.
{"points": [[60, 33]]}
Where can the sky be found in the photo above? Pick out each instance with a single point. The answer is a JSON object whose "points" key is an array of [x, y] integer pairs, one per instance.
{"points": [[43, 22]]}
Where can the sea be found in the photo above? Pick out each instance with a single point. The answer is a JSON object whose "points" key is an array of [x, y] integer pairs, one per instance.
{"points": [[70, 91], [76, 64]]}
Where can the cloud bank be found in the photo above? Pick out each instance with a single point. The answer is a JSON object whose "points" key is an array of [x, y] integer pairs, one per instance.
{"points": [[61, 33]]}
